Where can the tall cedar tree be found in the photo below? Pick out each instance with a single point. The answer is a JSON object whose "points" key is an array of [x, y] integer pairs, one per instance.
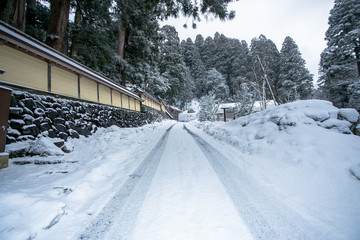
{"points": [[139, 64], [59, 17], [13, 13], [340, 60], [294, 78], [172, 66], [194, 63]]}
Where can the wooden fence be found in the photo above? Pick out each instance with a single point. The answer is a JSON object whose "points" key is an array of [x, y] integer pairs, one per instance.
{"points": [[30, 63]]}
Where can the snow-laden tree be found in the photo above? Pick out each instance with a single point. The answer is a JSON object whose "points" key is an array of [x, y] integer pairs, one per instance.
{"points": [[207, 53], [194, 63], [245, 98], [94, 37], [266, 58], [172, 65], [216, 83], [240, 63], [207, 108], [138, 41], [294, 78], [189, 8], [340, 60]]}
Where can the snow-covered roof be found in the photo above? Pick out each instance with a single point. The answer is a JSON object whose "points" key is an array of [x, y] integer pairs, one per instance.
{"points": [[225, 105], [22, 40], [175, 108]]}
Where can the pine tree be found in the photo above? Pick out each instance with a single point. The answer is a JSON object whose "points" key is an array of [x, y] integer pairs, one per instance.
{"points": [[208, 52], [294, 78], [340, 60], [239, 68], [172, 66], [223, 57], [199, 43], [194, 63]]}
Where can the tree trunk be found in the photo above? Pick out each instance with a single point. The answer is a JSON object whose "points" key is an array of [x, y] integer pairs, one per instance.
{"points": [[59, 16], [75, 35], [357, 55], [122, 44], [13, 13]]}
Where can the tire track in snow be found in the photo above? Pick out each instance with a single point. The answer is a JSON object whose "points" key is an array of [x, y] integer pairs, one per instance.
{"points": [[117, 218], [279, 221]]}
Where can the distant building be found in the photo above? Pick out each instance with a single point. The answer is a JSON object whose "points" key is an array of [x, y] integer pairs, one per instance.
{"points": [[174, 111]]}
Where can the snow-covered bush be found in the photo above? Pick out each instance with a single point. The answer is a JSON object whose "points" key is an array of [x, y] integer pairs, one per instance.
{"points": [[207, 108]]}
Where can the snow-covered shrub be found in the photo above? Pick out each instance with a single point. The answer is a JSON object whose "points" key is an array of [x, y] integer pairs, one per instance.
{"points": [[207, 108]]}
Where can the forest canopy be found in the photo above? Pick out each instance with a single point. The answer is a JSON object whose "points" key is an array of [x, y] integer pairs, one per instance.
{"points": [[123, 40]]}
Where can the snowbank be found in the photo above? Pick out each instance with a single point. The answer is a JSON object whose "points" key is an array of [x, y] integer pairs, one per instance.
{"points": [[300, 152], [56, 195]]}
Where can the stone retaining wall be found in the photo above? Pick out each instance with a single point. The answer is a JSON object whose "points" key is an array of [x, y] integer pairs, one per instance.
{"points": [[32, 116]]}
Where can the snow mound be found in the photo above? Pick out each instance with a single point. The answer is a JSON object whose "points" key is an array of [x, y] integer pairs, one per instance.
{"points": [[306, 154], [286, 118], [41, 147], [45, 147], [349, 114]]}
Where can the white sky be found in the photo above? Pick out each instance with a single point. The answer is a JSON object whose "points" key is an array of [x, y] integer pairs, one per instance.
{"points": [[306, 21]]}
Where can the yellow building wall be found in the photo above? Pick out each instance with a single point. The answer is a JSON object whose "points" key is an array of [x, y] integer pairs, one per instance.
{"points": [[137, 102], [88, 89], [116, 98], [125, 101], [22, 69], [104, 94], [64, 82], [132, 103]]}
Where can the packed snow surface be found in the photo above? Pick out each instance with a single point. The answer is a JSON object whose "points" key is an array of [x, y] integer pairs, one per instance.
{"points": [[289, 172]]}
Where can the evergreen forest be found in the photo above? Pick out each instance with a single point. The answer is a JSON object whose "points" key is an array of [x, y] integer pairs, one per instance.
{"points": [[124, 41]]}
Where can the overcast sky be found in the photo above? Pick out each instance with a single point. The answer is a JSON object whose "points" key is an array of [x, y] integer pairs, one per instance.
{"points": [[306, 21]]}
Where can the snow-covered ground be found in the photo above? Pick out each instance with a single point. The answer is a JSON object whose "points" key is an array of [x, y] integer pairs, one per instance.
{"points": [[276, 174]]}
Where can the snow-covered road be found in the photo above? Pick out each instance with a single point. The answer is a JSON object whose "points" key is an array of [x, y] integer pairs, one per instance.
{"points": [[173, 194], [278, 174], [186, 189]]}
